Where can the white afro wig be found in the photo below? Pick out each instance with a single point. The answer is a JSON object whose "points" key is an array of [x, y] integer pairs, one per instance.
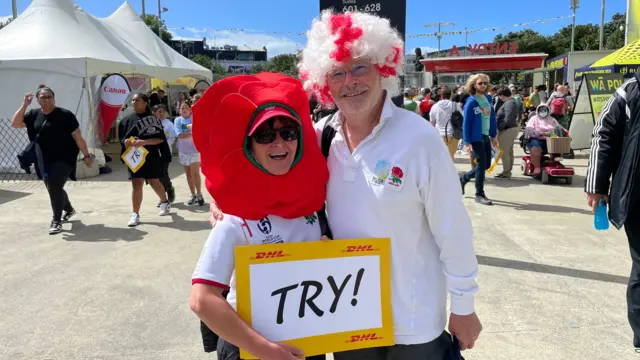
{"points": [[336, 38]]}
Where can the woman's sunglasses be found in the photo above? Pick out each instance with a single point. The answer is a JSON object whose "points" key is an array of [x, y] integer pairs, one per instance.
{"points": [[268, 135]]}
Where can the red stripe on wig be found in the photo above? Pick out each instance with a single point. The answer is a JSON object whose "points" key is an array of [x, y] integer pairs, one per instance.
{"points": [[342, 25]]}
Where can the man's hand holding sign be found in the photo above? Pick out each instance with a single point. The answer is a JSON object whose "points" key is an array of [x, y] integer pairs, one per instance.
{"points": [[321, 296]]}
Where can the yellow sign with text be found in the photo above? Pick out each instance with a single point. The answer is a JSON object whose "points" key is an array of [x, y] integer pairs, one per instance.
{"points": [[321, 297]]}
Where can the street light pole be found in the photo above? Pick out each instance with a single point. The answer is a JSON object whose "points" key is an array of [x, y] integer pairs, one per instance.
{"points": [[143, 12], [439, 24], [575, 4], [14, 9], [602, 27], [159, 20]]}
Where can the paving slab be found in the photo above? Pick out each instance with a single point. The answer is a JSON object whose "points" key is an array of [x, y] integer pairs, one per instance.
{"points": [[551, 287]]}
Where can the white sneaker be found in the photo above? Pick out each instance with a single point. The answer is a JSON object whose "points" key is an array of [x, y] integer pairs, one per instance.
{"points": [[165, 208], [134, 220]]}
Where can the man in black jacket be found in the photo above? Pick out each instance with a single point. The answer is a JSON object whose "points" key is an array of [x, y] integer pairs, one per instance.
{"points": [[615, 152]]}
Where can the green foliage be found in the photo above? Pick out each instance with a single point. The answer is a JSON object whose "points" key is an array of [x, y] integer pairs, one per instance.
{"points": [[203, 60], [218, 69], [3, 24], [285, 63], [155, 23]]}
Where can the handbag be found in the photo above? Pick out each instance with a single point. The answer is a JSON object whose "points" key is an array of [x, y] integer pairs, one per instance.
{"points": [[30, 154]]}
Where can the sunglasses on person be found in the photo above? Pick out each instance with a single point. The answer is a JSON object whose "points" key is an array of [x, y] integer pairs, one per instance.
{"points": [[46, 97], [481, 83], [357, 70], [268, 135]]}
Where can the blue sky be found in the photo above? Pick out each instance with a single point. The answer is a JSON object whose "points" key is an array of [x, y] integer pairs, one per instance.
{"points": [[281, 16]]}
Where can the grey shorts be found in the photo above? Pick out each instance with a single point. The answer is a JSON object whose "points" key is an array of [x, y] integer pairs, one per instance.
{"points": [[438, 349]]}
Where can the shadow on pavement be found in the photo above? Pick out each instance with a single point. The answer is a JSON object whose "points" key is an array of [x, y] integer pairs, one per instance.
{"points": [[180, 223], [7, 196], [554, 270], [195, 208], [100, 232], [510, 183], [541, 207]]}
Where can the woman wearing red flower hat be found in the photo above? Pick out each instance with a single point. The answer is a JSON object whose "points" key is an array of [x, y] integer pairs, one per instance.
{"points": [[262, 164]]}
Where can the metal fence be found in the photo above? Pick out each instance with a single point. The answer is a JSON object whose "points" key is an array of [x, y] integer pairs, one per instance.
{"points": [[12, 142]]}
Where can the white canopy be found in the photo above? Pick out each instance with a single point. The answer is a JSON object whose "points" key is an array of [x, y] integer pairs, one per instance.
{"points": [[57, 36], [128, 25]]}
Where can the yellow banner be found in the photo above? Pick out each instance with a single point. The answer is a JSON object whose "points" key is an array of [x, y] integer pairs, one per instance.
{"points": [[321, 297]]}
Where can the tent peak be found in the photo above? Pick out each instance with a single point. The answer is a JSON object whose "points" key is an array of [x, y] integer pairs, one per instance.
{"points": [[124, 12]]}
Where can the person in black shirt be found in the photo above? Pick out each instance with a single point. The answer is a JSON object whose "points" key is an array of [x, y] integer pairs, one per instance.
{"points": [[57, 139], [146, 131]]}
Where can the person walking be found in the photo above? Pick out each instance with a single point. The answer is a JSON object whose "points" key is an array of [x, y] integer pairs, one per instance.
{"points": [[559, 106], [614, 168], [160, 112], [188, 154], [142, 129], [479, 133], [55, 133], [441, 114], [507, 122]]}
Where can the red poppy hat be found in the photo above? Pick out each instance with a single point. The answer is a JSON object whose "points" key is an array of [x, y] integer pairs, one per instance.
{"points": [[228, 112]]}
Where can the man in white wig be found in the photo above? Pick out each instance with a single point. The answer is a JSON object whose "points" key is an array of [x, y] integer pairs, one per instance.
{"points": [[392, 176]]}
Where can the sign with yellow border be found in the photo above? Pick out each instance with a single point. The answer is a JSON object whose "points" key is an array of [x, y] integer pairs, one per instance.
{"points": [[134, 157], [496, 155], [321, 297]]}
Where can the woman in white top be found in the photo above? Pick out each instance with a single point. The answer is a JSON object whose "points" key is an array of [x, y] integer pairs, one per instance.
{"points": [[264, 168], [440, 117]]}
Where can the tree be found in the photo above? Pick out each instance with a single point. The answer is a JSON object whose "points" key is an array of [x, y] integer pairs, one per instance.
{"points": [[255, 69], [218, 69], [3, 24], [614, 31], [156, 23], [203, 60], [285, 63]]}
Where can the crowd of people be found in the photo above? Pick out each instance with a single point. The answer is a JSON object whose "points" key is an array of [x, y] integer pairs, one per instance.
{"points": [[55, 141], [477, 115]]}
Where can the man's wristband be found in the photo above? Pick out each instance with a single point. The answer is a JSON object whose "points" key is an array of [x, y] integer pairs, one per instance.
{"points": [[86, 156]]}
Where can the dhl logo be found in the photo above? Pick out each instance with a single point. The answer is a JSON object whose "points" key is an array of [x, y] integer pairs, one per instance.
{"points": [[359, 248], [269, 255], [364, 337]]}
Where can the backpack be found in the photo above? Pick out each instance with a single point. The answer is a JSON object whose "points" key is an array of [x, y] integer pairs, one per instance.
{"points": [[328, 133], [558, 106], [456, 124]]}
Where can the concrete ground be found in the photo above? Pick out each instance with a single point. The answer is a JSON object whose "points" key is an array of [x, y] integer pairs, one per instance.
{"points": [[551, 287]]}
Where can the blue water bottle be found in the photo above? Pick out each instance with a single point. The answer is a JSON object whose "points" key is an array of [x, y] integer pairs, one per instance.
{"points": [[601, 220]]}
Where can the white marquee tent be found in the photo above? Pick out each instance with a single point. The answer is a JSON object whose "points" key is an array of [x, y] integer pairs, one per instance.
{"points": [[54, 42]]}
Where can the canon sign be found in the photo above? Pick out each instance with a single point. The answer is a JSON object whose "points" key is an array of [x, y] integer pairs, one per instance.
{"points": [[108, 89], [114, 91]]}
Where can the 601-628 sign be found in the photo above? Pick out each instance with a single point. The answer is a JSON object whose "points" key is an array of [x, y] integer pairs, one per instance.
{"points": [[394, 10], [363, 8]]}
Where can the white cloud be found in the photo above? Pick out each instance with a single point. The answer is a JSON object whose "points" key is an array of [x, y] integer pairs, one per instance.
{"points": [[275, 45]]}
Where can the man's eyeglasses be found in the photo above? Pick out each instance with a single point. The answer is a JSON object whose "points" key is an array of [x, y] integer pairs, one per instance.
{"points": [[481, 83], [268, 135], [45, 97], [357, 70]]}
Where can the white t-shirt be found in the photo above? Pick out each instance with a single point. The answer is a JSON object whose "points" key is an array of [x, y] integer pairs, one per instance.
{"points": [[400, 183], [169, 132], [216, 266]]}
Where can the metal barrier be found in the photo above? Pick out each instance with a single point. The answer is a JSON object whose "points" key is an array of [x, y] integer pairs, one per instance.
{"points": [[12, 142]]}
